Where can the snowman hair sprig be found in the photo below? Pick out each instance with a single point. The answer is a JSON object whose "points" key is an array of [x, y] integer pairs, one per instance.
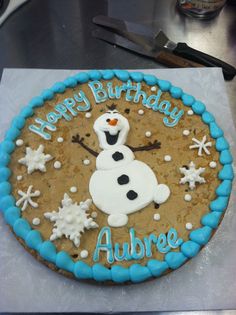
{"points": [[121, 185]]}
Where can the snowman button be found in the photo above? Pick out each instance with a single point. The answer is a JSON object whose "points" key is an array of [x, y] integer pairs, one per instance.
{"points": [[123, 179], [131, 195], [117, 156]]}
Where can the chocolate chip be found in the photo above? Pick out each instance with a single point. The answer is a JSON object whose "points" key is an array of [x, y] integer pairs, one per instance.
{"points": [[127, 110], [131, 195], [123, 179], [156, 205], [117, 156], [87, 135]]}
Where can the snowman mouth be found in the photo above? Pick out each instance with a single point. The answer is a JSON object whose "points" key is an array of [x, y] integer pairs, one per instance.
{"points": [[111, 139]]}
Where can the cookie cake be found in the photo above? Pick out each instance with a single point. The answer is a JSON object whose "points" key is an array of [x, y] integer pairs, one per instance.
{"points": [[114, 176]]}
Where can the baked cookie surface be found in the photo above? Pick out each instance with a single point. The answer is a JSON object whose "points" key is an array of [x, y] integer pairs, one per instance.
{"points": [[115, 176]]}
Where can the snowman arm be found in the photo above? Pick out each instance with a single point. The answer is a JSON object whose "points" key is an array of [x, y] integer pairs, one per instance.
{"points": [[151, 146], [80, 140]]}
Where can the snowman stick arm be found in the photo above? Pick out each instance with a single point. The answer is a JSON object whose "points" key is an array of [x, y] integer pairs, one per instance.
{"points": [[151, 146], [79, 140]]}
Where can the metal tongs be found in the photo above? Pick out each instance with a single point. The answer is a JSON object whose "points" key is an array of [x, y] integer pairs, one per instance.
{"points": [[156, 45]]}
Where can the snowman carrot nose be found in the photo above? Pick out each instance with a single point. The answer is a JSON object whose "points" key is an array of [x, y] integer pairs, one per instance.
{"points": [[112, 122]]}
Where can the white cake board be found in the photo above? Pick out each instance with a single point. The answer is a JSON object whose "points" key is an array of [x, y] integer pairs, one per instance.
{"points": [[206, 282]]}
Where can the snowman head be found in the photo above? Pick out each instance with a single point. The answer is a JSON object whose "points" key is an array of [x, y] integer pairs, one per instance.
{"points": [[111, 128]]}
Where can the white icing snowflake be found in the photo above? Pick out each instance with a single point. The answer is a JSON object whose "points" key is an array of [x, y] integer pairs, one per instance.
{"points": [[71, 220], [35, 159], [26, 198], [192, 175], [201, 146]]}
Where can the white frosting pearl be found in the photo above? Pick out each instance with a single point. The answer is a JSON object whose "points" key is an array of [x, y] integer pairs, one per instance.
{"points": [[153, 88], [140, 111], [19, 142], [148, 134], [73, 189], [94, 214], [189, 226], [167, 158], [190, 112], [212, 164], [156, 217], [60, 139], [36, 221], [86, 162], [19, 177], [57, 165], [187, 197], [88, 115], [84, 253], [186, 132]]}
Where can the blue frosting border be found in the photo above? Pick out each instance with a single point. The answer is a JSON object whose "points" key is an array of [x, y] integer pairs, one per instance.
{"points": [[136, 272]]}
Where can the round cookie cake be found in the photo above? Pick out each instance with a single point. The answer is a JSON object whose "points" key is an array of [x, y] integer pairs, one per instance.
{"points": [[114, 176]]}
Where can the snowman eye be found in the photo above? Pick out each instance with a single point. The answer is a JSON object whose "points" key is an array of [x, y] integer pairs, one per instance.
{"points": [[108, 120]]}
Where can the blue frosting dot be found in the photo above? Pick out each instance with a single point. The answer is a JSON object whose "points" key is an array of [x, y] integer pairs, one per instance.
{"points": [[226, 172], [18, 122], [190, 249], [5, 189], [207, 118], [175, 259], [211, 219], [201, 235], [6, 202], [164, 85], [198, 107], [107, 74], [64, 261], [224, 188], [139, 273], [188, 100], [215, 130], [27, 112], [226, 157], [82, 77], [34, 240], [221, 144], [176, 92], [4, 158], [101, 273], [95, 74], [82, 270], [47, 94], [36, 102], [157, 267], [5, 173], [58, 87], [120, 274], [136, 76], [12, 133], [21, 227], [219, 204], [48, 251], [7, 146], [70, 82], [11, 215], [123, 75], [150, 79]]}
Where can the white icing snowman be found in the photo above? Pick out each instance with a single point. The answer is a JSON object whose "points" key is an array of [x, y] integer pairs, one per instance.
{"points": [[121, 185]]}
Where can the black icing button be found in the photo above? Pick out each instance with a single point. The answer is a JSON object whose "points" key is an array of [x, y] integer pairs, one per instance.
{"points": [[123, 179], [117, 156], [131, 195]]}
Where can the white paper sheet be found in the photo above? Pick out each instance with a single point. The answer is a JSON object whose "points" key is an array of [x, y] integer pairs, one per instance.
{"points": [[206, 282]]}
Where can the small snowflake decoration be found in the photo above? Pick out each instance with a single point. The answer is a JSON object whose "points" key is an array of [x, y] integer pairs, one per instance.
{"points": [[192, 175], [35, 159], [201, 145], [71, 220], [26, 198]]}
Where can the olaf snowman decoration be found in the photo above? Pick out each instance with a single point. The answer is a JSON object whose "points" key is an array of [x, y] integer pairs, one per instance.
{"points": [[121, 185]]}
